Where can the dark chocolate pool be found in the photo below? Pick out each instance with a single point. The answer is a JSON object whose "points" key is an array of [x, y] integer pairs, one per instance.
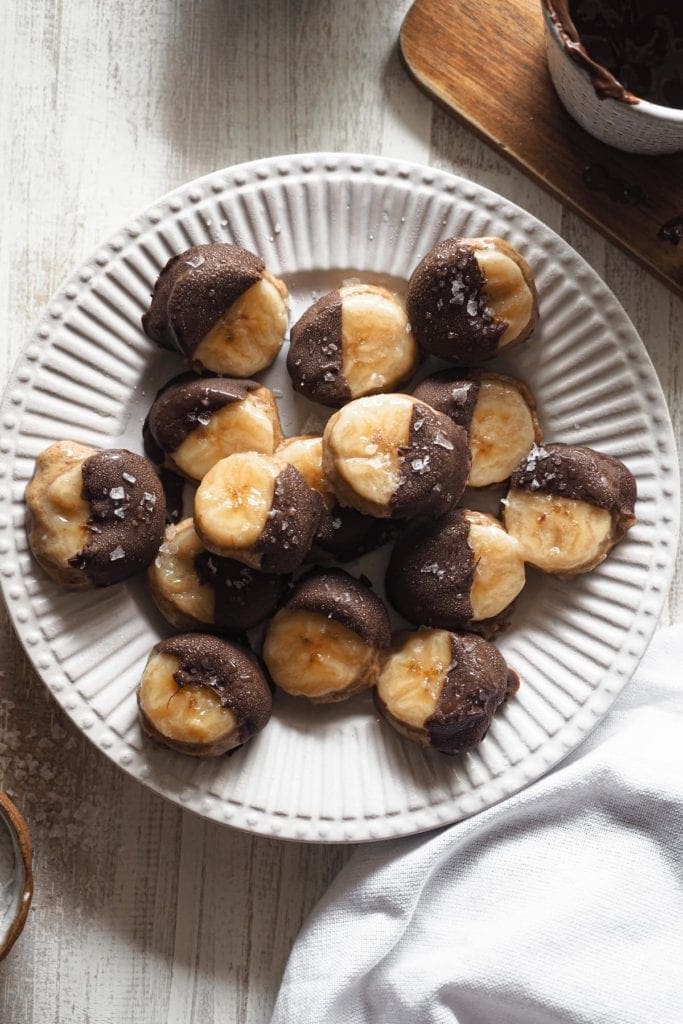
{"points": [[632, 49], [640, 42]]}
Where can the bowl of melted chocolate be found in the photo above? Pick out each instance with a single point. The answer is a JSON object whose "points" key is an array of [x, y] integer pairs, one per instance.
{"points": [[617, 66]]}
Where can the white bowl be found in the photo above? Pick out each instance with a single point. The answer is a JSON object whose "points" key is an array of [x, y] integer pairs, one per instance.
{"points": [[16, 875], [640, 127]]}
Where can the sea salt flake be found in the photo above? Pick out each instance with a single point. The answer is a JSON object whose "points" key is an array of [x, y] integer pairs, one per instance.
{"points": [[129, 478], [433, 569], [441, 441], [117, 493], [204, 418], [329, 376], [117, 554], [120, 512], [420, 465], [472, 308], [151, 499], [195, 261]]}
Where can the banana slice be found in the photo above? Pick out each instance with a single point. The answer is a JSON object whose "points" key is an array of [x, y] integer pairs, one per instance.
{"points": [[202, 696], [441, 689], [251, 508], [193, 588], [470, 298], [499, 574], [391, 456], [57, 513], [196, 422], [463, 571], [343, 533], [352, 342], [568, 506], [498, 412], [329, 639], [94, 518], [219, 307]]}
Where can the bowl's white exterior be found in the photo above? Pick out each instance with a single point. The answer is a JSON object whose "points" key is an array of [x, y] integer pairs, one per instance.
{"points": [[635, 128]]}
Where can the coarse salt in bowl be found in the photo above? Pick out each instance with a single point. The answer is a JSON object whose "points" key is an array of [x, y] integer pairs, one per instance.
{"points": [[16, 876]]}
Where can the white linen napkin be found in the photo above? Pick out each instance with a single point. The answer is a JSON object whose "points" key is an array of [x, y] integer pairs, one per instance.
{"points": [[563, 903]]}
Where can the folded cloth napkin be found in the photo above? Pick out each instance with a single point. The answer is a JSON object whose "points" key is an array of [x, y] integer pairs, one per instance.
{"points": [[563, 903]]}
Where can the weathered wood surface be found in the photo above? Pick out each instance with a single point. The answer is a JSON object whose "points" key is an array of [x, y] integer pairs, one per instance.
{"points": [[143, 913]]}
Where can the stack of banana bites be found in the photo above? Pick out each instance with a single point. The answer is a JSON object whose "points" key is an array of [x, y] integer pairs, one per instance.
{"points": [[271, 515]]}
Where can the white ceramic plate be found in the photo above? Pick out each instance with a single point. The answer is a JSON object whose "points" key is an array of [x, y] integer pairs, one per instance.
{"points": [[338, 773]]}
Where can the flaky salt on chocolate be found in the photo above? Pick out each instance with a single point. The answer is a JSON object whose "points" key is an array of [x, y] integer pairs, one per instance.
{"points": [[221, 308], [202, 695], [568, 506], [94, 518], [471, 298]]}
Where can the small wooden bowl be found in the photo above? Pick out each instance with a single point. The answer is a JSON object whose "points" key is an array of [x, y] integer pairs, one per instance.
{"points": [[12, 821]]}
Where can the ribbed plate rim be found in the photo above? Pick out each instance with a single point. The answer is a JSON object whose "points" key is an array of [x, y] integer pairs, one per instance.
{"points": [[224, 182]]}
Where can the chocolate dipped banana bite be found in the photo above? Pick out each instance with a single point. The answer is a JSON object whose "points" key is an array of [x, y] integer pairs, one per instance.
{"points": [[393, 457], [498, 412], [202, 695], [352, 342], [329, 639], [568, 506], [257, 511], [94, 518], [442, 689], [195, 589], [220, 307], [461, 572], [470, 299], [196, 421], [343, 533]]}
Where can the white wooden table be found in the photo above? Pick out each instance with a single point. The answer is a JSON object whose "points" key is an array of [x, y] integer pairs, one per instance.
{"points": [[142, 913]]}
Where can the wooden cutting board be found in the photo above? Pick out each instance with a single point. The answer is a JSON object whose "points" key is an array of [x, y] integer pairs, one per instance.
{"points": [[485, 61]]}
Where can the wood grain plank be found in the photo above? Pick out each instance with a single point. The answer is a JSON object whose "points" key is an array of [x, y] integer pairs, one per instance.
{"points": [[491, 72]]}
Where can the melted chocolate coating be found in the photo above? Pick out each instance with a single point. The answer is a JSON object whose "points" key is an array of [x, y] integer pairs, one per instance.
{"points": [[194, 290], [314, 360], [435, 465], [578, 473], [229, 670], [430, 573], [350, 602], [451, 393], [291, 525], [127, 516], [182, 407], [243, 597], [446, 305], [477, 683], [345, 533]]}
